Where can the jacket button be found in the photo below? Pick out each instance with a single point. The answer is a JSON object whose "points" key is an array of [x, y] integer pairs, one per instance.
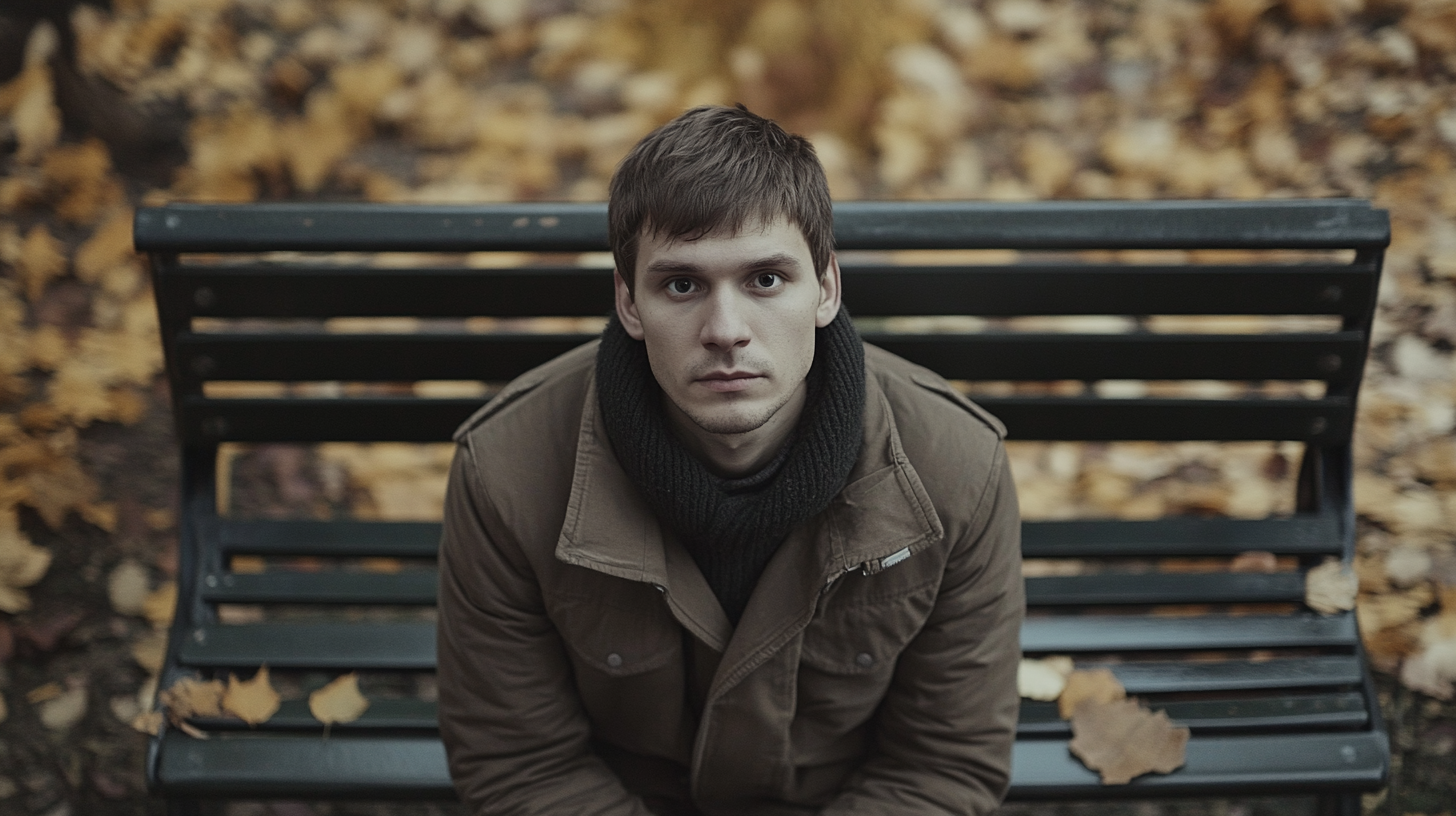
{"points": [[864, 660], [614, 660]]}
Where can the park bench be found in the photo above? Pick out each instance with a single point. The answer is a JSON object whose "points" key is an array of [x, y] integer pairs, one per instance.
{"points": [[1279, 702]]}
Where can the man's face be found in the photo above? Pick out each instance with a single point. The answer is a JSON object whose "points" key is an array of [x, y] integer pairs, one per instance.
{"points": [[728, 320]]}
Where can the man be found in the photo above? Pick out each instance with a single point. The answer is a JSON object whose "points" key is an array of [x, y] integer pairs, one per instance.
{"points": [[729, 559]]}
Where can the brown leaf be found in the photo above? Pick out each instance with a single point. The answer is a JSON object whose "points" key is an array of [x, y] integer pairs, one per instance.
{"points": [[1254, 561], [1083, 685], [21, 564], [42, 258], [339, 701], [34, 118], [148, 722], [1331, 587], [191, 697], [1122, 740], [252, 701], [109, 246]]}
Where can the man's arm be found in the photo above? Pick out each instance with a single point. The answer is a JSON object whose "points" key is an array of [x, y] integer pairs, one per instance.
{"points": [[944, 732], [510, 718]]}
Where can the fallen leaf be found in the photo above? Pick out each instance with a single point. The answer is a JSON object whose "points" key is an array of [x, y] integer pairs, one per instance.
{"points": [[64, 710], [1254, 561], [1043, 679], [148, 722], [1331, 587], [1084, 685], [127, 587], [1121, 740], [150, 651], [252, 701], [21, 564], [191, 697], [339, 701], [160, 604], [42, 258], [43, 692]]}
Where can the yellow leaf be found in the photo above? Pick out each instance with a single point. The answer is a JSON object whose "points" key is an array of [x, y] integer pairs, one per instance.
{"points": [[56, 488], [148, 722], [191, 697], [108, 246], [34, 118], [1092, 685], [252, 701], [42, 257], [339, 701], [160, 604], [1331, 587]]}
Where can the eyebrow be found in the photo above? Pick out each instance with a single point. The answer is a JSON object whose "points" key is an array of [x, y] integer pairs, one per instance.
{"points": [[669, 267]]}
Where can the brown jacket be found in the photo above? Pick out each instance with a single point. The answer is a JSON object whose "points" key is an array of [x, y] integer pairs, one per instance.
{"points": [[586, 667]]}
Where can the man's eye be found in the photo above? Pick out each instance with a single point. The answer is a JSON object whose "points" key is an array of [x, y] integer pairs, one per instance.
{"points": [[680, 286], [767, 280]]}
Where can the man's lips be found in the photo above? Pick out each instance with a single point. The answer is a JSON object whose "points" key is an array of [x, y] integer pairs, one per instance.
{"points": [[728, 381]]}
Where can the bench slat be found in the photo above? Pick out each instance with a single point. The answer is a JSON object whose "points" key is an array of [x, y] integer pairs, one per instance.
{"points": [[341, 538], [1282, 764], [1175, 536], [342, 646], [498, 357], [412, 645], [410, 419], [1174, 677], [870, 290], [1127, 633], [419, 586], [1300, 712], [345, 766], [413, 587], [1181, 536], [1164, 588], [1288, 714], [571, 227]]}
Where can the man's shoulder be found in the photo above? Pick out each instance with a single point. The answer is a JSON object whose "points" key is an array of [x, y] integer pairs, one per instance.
{"points": [[550, 394], [915, 389]]}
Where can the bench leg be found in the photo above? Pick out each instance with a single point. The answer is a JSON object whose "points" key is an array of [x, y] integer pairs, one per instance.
{"points": [[1339, 804]]}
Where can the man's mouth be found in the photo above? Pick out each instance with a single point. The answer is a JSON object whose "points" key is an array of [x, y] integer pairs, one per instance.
{"points": [[728, 381]]}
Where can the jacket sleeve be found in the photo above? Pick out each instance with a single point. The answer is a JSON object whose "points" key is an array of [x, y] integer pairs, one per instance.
{"points": [[514, 730], [943, 735]]}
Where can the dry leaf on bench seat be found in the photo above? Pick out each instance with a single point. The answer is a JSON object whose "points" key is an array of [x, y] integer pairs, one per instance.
{"points": [[252, 701], [1121, 740], [1094, 685], [1043, 679], [339, 701], [1331, 587]]}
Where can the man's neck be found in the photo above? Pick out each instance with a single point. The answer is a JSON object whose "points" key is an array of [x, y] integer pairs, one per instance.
{"points": [[733, 456]]}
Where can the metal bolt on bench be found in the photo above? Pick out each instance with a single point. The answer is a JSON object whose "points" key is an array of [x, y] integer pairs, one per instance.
{"points": [[1303, 721]]}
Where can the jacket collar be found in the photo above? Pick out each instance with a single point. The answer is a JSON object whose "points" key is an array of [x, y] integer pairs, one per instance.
{"points": [[882, 515]]}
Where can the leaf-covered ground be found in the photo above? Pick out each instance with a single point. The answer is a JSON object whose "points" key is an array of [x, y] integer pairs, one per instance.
{"points": [[111, 106]]}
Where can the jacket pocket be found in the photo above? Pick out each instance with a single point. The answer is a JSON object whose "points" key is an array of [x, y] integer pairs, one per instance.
{"points": [[846, 665], [626, 655]]}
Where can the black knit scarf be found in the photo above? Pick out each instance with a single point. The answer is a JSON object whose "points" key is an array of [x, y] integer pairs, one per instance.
{"points": [[731, 527]]}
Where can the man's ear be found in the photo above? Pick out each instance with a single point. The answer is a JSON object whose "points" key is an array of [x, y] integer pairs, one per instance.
{"points": [[828, 294], [626, 307]]}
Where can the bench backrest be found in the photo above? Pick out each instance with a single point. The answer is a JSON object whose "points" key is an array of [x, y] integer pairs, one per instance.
{"points": [[1054, 276]]}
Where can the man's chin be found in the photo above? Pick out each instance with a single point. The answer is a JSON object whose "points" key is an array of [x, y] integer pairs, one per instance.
{"points": [[729, 424]]}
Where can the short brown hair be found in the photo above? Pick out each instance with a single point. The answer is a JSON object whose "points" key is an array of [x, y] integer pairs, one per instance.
{"points": [[716, 168]]}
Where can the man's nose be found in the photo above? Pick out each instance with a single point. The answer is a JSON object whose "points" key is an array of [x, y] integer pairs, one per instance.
{"points": [[724, 325]]}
